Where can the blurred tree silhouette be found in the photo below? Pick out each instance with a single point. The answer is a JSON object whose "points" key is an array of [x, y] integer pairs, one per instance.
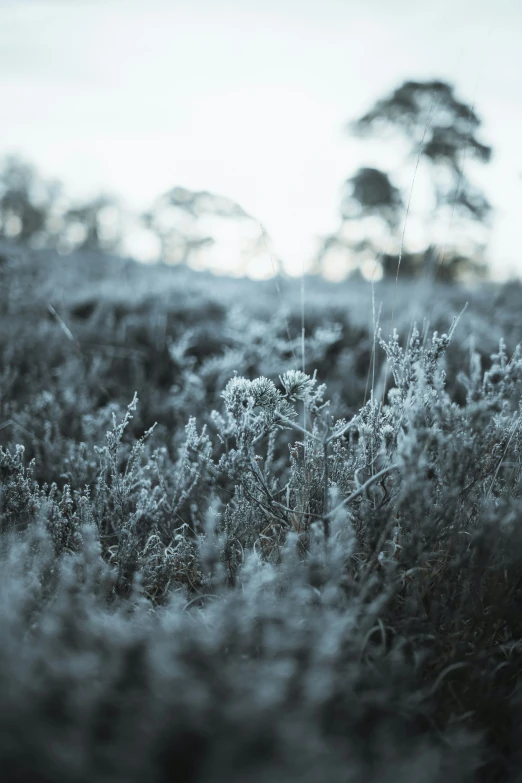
{"points": [[36, 212], [93, 225], [370, 192], [176, 219], [27, 203], [441, 130]]}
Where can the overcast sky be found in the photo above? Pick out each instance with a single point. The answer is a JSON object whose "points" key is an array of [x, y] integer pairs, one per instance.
{"points": [[249, 98]]}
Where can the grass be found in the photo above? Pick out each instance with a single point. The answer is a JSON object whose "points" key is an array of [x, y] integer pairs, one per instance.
{"points": [[196, 587]]}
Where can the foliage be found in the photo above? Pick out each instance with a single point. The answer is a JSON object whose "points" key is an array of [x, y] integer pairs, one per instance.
{"points": [[441, 130], [38, 213], [27, 202], [371, 192], [284, 578]]}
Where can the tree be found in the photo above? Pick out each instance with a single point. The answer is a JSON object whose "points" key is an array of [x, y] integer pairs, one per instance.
{"points": [[439, 130], [27, 203], [177, 219], [93, 225], [35, 212], [369, 194]]}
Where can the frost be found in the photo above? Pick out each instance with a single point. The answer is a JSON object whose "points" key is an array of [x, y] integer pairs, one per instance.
{"points": [[284, 579]]}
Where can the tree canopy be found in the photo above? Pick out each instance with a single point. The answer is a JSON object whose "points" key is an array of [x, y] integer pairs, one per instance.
{"points": [[440, 130]]}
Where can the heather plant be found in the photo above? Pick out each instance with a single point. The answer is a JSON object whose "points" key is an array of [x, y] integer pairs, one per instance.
{"points": [[282, 579]]}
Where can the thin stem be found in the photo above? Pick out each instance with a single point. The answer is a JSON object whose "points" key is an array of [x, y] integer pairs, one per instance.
{"points": [[401, 249], [325, 490], [301, 429], [346, 427], [363, 488]]}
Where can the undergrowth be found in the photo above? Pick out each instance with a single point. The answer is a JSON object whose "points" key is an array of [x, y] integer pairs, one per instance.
{"points": [[275, 581]]}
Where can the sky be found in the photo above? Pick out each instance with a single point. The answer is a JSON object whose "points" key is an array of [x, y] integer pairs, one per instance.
{"points": [[250, 100]]}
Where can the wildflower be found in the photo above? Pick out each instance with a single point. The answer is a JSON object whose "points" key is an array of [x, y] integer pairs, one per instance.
{"points": [[297, 384]]}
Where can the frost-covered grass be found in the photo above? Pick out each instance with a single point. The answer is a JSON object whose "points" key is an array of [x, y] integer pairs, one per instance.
{"points": [[245, 572]]}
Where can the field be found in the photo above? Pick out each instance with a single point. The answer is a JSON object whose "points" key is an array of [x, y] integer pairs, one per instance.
{"points": [[219, 567]]}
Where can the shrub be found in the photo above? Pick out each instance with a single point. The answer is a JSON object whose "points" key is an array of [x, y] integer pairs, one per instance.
{"points": [[269, 583]]}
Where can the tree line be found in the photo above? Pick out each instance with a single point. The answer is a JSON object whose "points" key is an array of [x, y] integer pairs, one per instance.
{"points": [[438, 131]]}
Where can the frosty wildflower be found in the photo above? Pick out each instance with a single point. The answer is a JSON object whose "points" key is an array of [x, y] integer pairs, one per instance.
{"points": [[238, 396], [264, 392], [297, 384]]}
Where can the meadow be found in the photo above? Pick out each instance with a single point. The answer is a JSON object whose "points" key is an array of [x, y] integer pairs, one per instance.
{"points": [[246, 540]]}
